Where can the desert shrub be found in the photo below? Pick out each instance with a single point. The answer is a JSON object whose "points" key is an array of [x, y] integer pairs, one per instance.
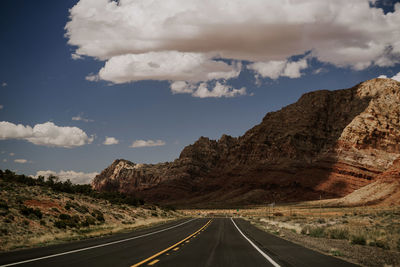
{"points": [[379, 244], [169, 208], [317, 231], [336, 233], [55, 209], [3, 205], [26, 211], [278, 214], [335, 252], [3, 231], [67, 206], [42, 222], [98, 215], [154, 214], [398, 244], [66, 220], [358, 240], [60, 224], [321, 221], [81, 208], [64, 216]]}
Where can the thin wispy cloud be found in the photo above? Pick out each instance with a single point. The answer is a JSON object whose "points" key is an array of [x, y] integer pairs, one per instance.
{"points": [[4, 84], [22, 161], [147, 143], [81, 118]]}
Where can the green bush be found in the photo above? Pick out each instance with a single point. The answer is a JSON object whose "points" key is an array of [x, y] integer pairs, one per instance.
{"points": [[26, 211], [64, 216], [60, 224], [81, 208], [358, 240], [398, 245], [379, 244], [66, 220], [338, 233], [98, 215], [317, 232], [3, 205]]}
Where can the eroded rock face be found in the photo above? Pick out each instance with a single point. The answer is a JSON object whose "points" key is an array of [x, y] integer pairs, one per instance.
{"points": [[328, 142]]}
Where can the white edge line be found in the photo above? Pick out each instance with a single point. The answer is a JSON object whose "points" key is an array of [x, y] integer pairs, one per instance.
{"points": [[257, 248], [92, 247]]}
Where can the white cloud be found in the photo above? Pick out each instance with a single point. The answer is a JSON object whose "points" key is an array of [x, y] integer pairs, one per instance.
{"points": [[281, 68], [75, 56], [166, 65], [110, 141], [4, 160], [4, 84], [202, 91], [148, 143], [81, 118], [46, 134], [219, 90], [183, 40], [22, 161], [395, 77], [1, 106], [12, 154], [92, 77], [74, 177]]}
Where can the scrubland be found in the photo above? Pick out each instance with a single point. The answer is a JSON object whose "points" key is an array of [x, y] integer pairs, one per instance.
{"points": [[32, 215], [365, 235]]}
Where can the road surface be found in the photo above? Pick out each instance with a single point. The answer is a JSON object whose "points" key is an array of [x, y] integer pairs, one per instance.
{"points": [[192, 242]]}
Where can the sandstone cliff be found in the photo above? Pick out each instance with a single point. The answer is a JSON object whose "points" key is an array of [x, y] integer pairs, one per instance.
{"points": [[328, 143]]}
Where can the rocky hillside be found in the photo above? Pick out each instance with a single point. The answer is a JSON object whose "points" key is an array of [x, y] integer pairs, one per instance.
{"points": [[328, 143], [36, 214]]}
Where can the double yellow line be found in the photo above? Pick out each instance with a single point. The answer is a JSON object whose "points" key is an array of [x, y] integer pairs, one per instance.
{"points": [[171, 247]]}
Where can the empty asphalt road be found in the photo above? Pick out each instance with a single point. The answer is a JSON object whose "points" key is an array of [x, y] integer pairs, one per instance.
{"points": [[194, 242]]}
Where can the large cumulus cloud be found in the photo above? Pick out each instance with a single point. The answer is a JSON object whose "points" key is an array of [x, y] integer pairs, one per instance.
{"points": [[184, 40], [45, 134]]}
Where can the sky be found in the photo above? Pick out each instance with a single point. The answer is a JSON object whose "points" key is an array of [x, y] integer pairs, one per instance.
{"points": [[84, 82]]}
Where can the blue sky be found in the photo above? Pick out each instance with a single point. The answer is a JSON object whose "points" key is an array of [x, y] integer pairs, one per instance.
{"points": [[50, 74]]}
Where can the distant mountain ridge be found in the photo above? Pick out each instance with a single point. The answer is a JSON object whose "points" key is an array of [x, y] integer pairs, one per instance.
{"points": [[328, 143]]}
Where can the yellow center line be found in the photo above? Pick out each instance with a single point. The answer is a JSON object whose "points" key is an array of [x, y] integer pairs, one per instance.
{"points": [[171, 247], [153, 262]]}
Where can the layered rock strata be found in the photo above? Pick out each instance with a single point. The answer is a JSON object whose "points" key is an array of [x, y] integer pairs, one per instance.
{"points": [[328, 143]]}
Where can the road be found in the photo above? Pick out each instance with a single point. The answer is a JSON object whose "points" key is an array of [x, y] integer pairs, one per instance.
{"points": [[194, 242]]}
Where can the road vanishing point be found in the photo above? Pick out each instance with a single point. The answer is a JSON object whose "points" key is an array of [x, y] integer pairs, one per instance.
{"points": [[190, 242]]}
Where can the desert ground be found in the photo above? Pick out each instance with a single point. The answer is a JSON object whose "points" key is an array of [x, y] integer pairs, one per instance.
{"points": [[365, 235]]}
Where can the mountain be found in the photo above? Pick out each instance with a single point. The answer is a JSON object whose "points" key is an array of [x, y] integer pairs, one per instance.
{"points": [[328, 143], [385, 190]]}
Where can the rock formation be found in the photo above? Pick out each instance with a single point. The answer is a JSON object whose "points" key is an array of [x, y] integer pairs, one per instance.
{"points": [[328, 143]]}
